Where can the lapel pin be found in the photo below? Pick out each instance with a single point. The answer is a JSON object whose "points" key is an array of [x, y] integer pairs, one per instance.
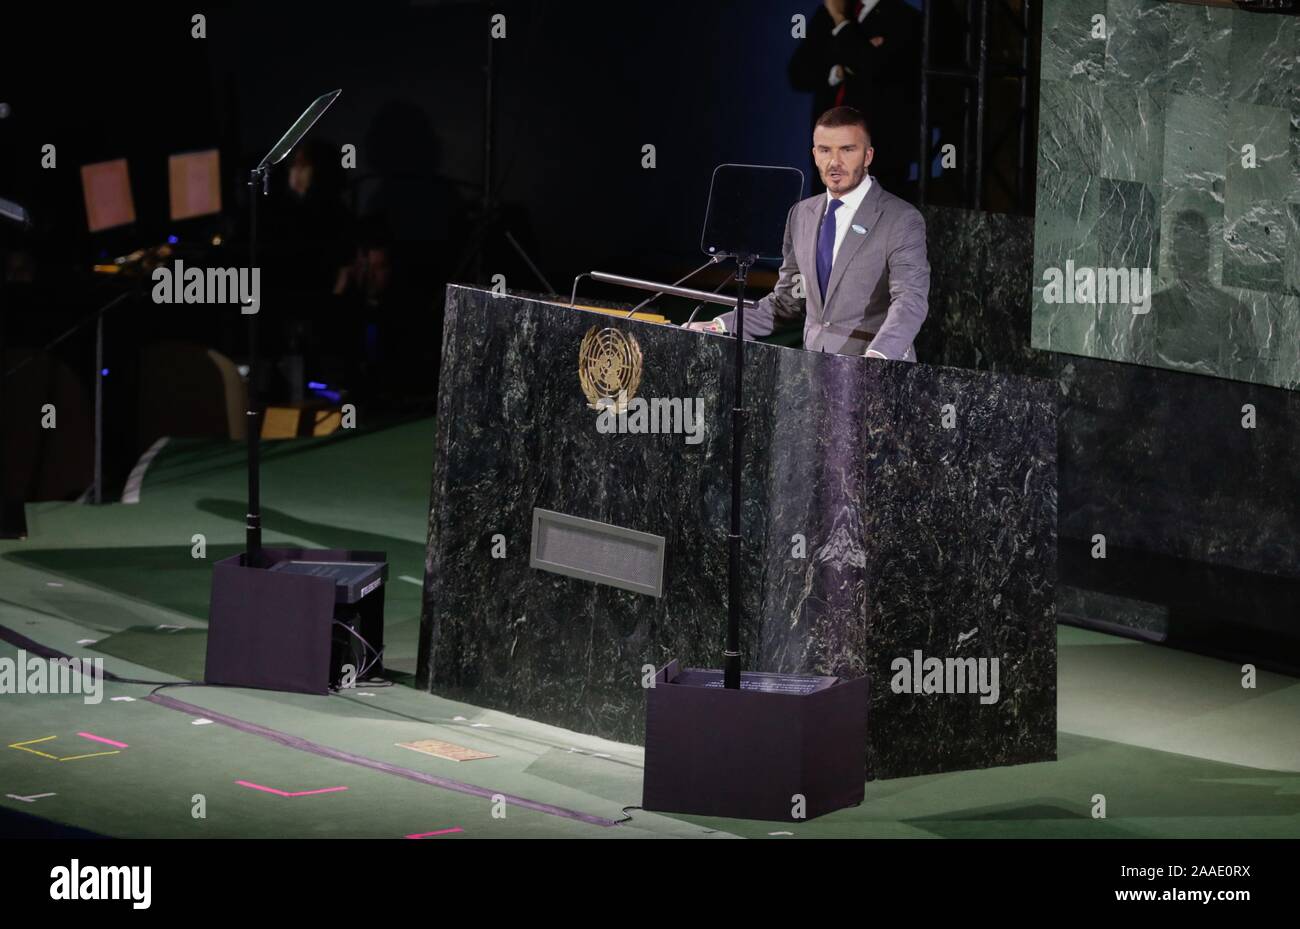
{"points": [[859, 230]]}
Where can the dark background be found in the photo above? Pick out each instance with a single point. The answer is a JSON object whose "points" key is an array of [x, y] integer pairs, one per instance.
{"points": [[578, 88]]}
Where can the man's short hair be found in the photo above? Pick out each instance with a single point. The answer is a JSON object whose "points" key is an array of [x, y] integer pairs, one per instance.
{"points": [[838, 116]]}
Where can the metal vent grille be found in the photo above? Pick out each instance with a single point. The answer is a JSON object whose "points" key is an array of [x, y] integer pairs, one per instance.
{"points": [[598, 552]]}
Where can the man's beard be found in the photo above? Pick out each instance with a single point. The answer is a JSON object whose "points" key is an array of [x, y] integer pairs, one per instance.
{"points": [[847, 179]]}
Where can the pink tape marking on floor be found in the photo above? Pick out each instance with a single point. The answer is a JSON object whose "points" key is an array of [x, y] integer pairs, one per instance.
{"points": [[286, 793], [100, 738], [425, 835]]}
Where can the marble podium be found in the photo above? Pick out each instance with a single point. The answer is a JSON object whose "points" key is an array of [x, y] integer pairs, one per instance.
{"points": [[899, 523]]}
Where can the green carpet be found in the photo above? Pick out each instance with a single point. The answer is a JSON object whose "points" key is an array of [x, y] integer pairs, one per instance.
{"points": [[1171, 740]]}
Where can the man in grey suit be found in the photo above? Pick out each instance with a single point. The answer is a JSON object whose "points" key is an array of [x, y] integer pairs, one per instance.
{"points": [[854, 258]]}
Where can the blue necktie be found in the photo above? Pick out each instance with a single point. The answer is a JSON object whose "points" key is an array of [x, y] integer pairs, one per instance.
{"points": [[826, 247]]}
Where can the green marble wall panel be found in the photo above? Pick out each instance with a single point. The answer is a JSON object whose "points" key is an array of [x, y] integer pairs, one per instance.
{"points": [[1265, 60], [1070, 52], [1200, 49], [1142, 136], [1128, 236], [1268, 129], [1192, 184], [1132, 124], [1293, 194], [1137, 44], [1065, 227]]}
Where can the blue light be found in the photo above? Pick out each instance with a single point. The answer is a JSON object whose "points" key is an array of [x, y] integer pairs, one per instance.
{"points": [[104, 373], [172, 240], [316, 385]]}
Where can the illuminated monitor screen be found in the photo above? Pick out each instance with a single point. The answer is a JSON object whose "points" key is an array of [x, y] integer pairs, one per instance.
{"points": [[107, 189], [194, 180]]}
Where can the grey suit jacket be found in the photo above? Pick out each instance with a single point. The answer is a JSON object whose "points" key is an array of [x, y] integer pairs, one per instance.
{"points": [[879, 289]]}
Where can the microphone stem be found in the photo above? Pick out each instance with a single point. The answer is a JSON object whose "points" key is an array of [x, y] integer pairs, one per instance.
{"points": [[711, 261], [700, 306]]}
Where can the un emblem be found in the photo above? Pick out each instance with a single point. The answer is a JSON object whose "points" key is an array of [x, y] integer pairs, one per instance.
{"points": [[609, 367]]}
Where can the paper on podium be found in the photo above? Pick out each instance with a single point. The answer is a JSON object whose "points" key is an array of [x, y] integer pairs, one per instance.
{"points": [[614, 311]]}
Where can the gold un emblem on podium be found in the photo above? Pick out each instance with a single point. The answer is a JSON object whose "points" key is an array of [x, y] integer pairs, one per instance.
{"points": [[609, 368]]}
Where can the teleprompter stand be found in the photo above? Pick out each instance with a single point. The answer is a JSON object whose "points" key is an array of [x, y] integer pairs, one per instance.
{"points": [[751, 745], [293, 619]]}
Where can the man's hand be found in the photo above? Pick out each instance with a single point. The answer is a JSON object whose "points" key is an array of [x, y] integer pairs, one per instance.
{"points": [[706, 325], [839, 10]]}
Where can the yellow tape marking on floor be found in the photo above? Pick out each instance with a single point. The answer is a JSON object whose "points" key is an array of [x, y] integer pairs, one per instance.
{"points": [[22, 747]]}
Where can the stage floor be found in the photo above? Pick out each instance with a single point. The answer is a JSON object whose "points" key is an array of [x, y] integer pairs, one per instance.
{"points": [[1171, 739]]}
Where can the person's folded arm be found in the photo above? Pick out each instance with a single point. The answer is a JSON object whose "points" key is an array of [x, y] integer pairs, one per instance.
{"points": [[855, 50]]}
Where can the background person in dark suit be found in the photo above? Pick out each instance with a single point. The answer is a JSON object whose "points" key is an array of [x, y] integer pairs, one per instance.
{"points": [[867, 54]]}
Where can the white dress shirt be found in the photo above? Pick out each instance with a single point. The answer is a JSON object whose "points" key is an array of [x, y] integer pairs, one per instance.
{"points": [[849, 204], [844, 215]]}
